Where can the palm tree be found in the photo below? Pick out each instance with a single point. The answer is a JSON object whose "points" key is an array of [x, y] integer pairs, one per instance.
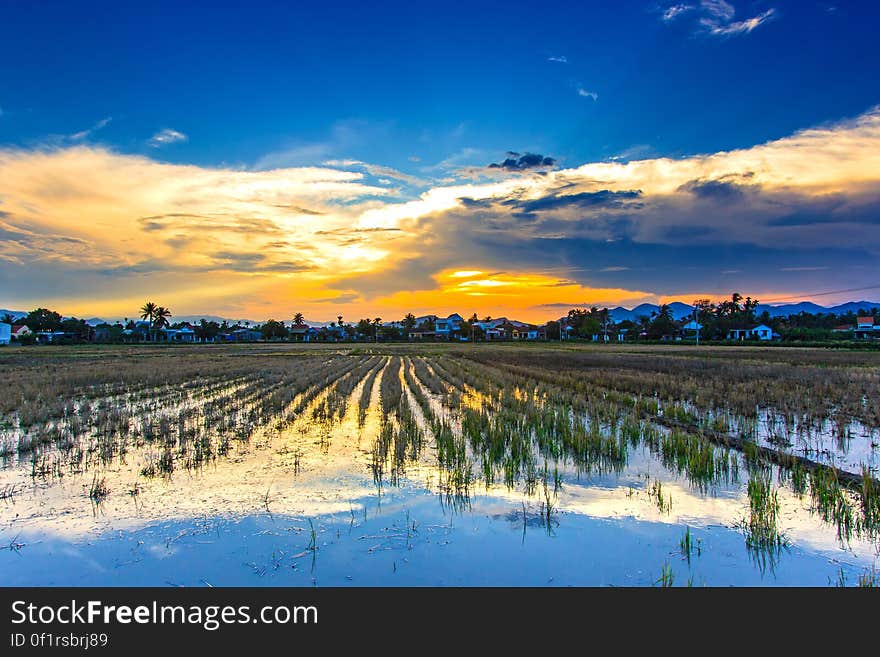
{"points": [[148, 312], [298, 318], [376, 322], [7, 319], [161, 316]]}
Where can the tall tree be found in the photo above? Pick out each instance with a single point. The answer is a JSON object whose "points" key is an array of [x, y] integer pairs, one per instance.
{"points": [[364, 327], [376, 323], [43, 319], [298, 318], [148, 311], [273, 329], [160, 320]]}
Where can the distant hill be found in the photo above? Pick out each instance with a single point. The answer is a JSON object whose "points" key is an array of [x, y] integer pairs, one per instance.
{"points": [[14, 313], [680, 310]]}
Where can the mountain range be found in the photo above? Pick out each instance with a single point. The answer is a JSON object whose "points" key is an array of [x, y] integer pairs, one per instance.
{"points": [[681, 310]]}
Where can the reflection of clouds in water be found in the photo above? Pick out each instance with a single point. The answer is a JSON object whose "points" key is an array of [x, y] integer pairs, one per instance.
{"points": [[332, 478]]}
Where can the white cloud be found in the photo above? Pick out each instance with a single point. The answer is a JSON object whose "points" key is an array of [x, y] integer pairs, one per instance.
{"points": [[166, 136], [290, 234], [673, 12], [716, 18], [83, 134], [587, 94], [718, 9], [739, 27], [377, 170], [561, 59]]}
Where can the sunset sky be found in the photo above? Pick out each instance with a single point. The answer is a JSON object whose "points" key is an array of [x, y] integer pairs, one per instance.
{"points": [[254, 160]]}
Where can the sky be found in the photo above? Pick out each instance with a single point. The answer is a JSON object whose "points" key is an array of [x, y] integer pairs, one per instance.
{"points": [[254, 160]]}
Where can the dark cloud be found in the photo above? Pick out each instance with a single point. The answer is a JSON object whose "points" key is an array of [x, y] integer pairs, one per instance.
{"points": [[714, 189], [340, 298], [517, 162], [552, 201], [245, 263], [355, 231], [604, 198], [214, 222], [296, 209], [248, 262]]}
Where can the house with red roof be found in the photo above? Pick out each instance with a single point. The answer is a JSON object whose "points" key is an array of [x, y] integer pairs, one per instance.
{"points": [[866, 327]]}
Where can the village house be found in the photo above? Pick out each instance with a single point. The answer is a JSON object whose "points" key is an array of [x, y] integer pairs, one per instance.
{"points": [[243, 335], [866, 327], [528, 333], [5, 333], [50, 337], [20, 331], [759, 332], [421, 335], [302, 333], [449, 326], [692, 328], [183, 334]]}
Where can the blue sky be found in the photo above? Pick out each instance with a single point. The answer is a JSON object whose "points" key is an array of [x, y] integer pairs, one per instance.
{"points": [[420, 95], [429, 80]]}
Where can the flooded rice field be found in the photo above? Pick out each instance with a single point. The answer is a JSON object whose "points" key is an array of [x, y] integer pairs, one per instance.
{"points": [[439, 465]]}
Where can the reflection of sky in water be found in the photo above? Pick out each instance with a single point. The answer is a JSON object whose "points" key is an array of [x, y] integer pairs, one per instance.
{"points": [[244, 520], [410, 540]]}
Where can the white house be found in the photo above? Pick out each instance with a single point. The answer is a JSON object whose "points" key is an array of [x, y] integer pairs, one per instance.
{"points": [[759, 332], [20, 330], [183, 334], [5, 333], [528, 333]]}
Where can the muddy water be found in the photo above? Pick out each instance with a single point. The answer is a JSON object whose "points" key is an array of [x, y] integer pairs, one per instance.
{"points": [[299, 505]]}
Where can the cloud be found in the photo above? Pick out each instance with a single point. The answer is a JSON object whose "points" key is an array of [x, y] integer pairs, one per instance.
{"points": [[98, 229], [166, 136], [718, 9], [587, 94], [724, 190], [83, 134], [716, 18], [377, 170], [102, 223], [339, 299], [561, 59], [674, 11], [517, 162], [718, 28]]}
